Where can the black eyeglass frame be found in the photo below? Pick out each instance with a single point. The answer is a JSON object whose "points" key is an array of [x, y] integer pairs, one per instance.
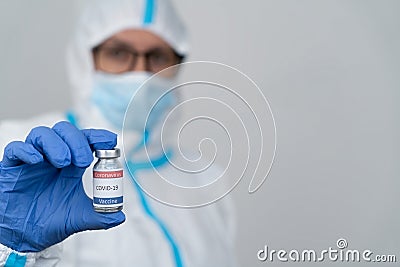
{"points": [[179, 58]]}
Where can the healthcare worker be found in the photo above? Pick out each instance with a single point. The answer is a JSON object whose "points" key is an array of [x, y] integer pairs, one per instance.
{"points": [[44, 210]]}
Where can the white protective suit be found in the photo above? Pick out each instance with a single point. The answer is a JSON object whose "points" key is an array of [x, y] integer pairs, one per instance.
{"points": [[204, 236]]}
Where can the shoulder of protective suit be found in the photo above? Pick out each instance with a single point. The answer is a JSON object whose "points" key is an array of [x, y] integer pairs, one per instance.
{"points": [[18, 129]]}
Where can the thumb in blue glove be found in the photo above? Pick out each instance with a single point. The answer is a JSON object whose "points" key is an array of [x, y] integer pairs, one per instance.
{"points": [[42, 200]]}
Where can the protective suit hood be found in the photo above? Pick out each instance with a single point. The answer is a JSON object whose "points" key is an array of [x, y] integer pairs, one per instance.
{"points": [[100, 19]]}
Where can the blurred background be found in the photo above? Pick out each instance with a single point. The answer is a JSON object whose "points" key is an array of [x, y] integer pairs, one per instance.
{"points": [[331, 73]]}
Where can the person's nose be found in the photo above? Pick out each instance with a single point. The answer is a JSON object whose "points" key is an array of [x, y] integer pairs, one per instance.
{"points": [[140, 64]]}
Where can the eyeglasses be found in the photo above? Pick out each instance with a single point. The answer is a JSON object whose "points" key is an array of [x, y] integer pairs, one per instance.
{"points": [[118, 59]]}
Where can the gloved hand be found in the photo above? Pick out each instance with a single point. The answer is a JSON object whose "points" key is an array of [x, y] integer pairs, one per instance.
{"points": [[42, 200]]}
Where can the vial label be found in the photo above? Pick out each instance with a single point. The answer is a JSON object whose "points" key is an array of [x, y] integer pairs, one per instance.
{"points": [[107, 188]]}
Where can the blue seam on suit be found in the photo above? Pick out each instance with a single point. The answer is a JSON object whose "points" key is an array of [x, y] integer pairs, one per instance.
{"points": [[15, 260], [149, 12]]}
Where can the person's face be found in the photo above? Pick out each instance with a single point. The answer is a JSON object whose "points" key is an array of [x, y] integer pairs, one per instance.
{"points": [[134, 50]]}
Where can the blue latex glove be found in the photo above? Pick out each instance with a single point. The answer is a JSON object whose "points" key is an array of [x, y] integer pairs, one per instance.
{"points": [[42, 200]]}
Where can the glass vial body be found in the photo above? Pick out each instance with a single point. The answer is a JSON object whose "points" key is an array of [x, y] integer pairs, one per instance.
{"points": [[108, 177]]}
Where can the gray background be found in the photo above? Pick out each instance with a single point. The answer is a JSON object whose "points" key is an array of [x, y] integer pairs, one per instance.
{"points": [[330, 70]]}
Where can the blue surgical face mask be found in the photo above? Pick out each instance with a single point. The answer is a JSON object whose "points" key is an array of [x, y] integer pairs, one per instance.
{"points": [[112, 94]]}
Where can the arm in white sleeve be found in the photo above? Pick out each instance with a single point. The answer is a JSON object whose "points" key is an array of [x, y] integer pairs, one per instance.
{"points": [[228, 216], [46, 258]]}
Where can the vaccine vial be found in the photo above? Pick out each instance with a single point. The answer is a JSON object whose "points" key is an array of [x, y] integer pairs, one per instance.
{"points": [[108, 177]]}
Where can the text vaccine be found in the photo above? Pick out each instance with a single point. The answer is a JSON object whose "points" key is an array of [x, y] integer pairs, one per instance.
{"points": [[108, 177]]}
